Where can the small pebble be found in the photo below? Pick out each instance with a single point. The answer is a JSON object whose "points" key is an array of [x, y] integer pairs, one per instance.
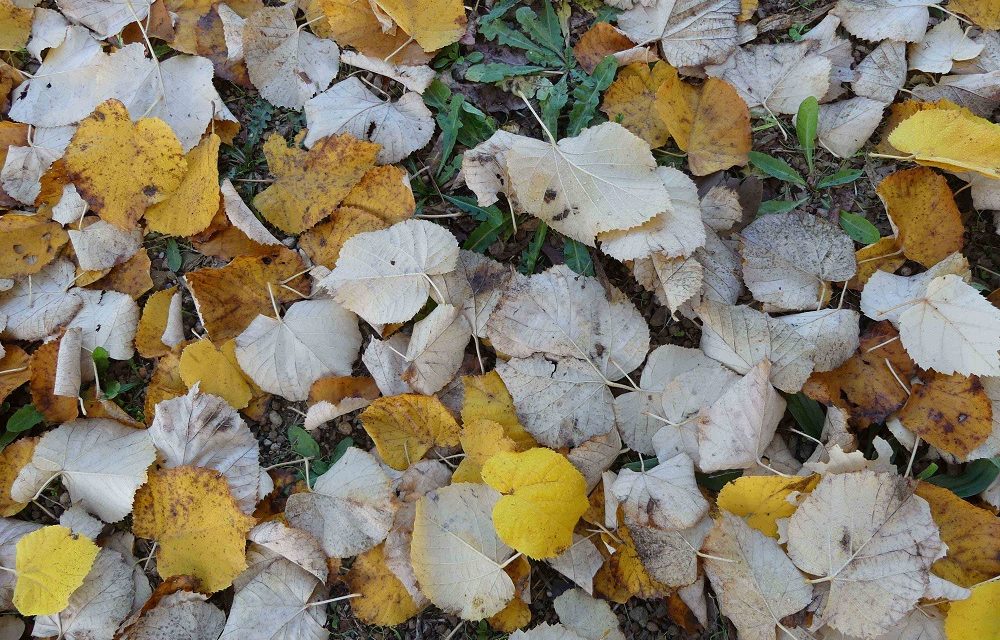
{"points": [[267, 442], [345, 428], [652, 627], [639, 615], [288, 242], [275, 418]]}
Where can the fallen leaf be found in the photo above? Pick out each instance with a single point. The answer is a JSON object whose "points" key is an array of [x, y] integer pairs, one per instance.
{"points": [[204, 365], [756, 583], [457, 554], [763, 500], [13, 458], [413, 77], [579, 563], [288, 65], [190, 209], [16, 26], [432, 24], [952, 413], [354, 24], [348, 107], [614, 183], [276, 603], [52, 563], [349, 509], [107, 319], [595, 456], [384, 276], [877, 20], [632, 96], [588, 617], [935, 138], [941, 46], [845, 126], [276, 541], [538, 485], [159, 311], [691, 34], [623, 574], [384, 600], [884, 255], [970, 533], [436, 349], [311, 184], [103, 156], [882, 73], [187, 613], [985, 14], [602, 40], [15, 364], [405, 427], [834, 332], [197, 524], [44, 372], [869, 591], [100, 462], [666, 496], [487, 398], [973, 618], [28, 244], [923, 214]]}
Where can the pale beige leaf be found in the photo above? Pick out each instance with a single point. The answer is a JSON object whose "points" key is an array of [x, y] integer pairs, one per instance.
{"points": [[691, 32], [666, 496], [436, 349], [386, 361], [484, 167], [674, 281], [68, 373], [475, 287], [595, 456], [107, 319], [877, 20], [886, 296], [182, 614], [102, 245], [413, 77], [882, 73], [324, 411], [670, 556], [546, 631], [776, 76], [845, 126], [36, 306], [105, 17], [587, 616], [273, 606], [241, 217], [721, 208], [942, 45], [834, 332], [838, 50], [579, 563], [292, 544]]}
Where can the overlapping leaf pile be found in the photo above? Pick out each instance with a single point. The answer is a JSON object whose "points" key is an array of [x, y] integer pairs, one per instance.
{"points": [[503, 405]]}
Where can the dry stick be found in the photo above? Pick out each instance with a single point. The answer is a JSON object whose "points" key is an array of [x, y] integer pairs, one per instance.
{"points": [[398, 49], [17, 370], [881, 344], [895, 375], [452, 633], [511, 559], [888, 255], [288, 464], [152, 54], [913, 456], [337, 599]]}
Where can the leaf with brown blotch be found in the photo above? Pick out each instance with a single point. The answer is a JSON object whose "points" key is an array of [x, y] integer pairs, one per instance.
{"points": [[631, 97], [28, 244], [971, 533], [953, 413]]}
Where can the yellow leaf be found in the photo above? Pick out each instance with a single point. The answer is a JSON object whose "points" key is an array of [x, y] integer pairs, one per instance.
{"points": [[884, 255], [384, 601], [432, 23], [481, 439], [130, 277], [538, 486], [405, 427], [42, 385], [623, 574], [972, 535], [487, 398], [309, 185], [165, 383], [28, 243], [200, 529], [951, 412], [120, 168], [15, 367], [12, 460], [985, 13], [153, 323], [198, 28], [190, 209], [230, 297], [950, 140], [900, 111], [202, 363], [353, 24], [712, 124], [383, 192], [51, 564], [763, 500], [323, 242], [15, 26], [923, 213], [976, 617], [631, 98]]}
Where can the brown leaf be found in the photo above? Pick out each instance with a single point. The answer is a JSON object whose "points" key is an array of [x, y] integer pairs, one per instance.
{"points": [[43, 376]]}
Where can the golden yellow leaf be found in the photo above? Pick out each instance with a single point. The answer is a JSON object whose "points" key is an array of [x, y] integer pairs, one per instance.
{"points": [[432, 23], [923, 213], [405, 427], [985, 13], [230, 297], [28, 243], [747, 9], [15, 26], [323, 242], [538, 486], [200, 529], [487, 398], [51, 564], [204, 364], [975, 617], [384, 601], [383, 192], [164, 384], [335, 388], [42, 385], [950, 140], [12, 460], [631, 100], [884, 255], [972, 535], [310, 184], [121, 168], [481, 439], [763, 500], [353, 24], [131, 277], [190, 209], [953, 413], [712, 124], [599, 42], [153, 323], [14, 370], [517, 614], [900, 111]]}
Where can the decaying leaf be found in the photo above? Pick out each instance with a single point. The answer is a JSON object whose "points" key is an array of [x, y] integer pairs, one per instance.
{"points": [[276, 604], [941, 46], [666, 496], [433, 24], [970, 533], [763, 500], [884, 19], [190, 209], [384, 600], [28, 244], [691, 33], [953, 413], [214, 371]]}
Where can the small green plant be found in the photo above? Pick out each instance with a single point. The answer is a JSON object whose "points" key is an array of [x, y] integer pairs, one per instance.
{"points": [[20, 421], [304, 444]]}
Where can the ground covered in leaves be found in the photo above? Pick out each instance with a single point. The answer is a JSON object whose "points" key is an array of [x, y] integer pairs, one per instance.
{"points": [[567, 320]]}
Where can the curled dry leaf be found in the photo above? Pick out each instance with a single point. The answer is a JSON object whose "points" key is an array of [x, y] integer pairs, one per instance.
{"points": [[475, 287], [45, 374], [413, 77], [354, 24]]}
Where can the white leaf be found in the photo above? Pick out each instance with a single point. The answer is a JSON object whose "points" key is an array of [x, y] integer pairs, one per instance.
{"points": [[70, 208], [288, 65], [475, 286], [232, 31], [978, 92], [691, 32], [293, 545], [845, 126], [241, 217], [102, 245], [484, 167], [11, 531], [834, 332], [202, 430], [564, 314], [323, 411], [22, 170], [757, 585], [678, 231], [674, 281], [274, 606], [886, 296], [877, 20], [413, 77], [183, 615], [877, 564], [721, 208], [693, 595], [173, 330], [601, 180], [436, 349], [97, 607], [666, 496], [107, 319], [579, 563], [316, 338], [776, 76], [882, 73], [546, 631], [561, 403], [386, 361], [589, 617], [36, 306], [595, 456], [789, 259], [349, 509], [400, 127], [740, 337], [77, 520], [457, 554], [384, 276], [736, 429], [105, 17], [100, 462], [68, 372], [941, 46], [839, 51], [722, 270], [48, 29]]}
